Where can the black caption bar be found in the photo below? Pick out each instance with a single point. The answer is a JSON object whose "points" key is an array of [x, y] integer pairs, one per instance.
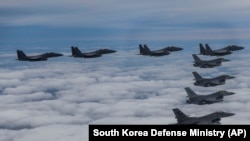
{"points": [[163, 132]]}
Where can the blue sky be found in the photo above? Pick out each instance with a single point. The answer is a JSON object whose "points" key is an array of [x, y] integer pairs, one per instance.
{"points": [[126, 20]]}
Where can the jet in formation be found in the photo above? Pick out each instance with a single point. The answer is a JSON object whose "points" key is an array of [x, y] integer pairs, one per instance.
{"points": [[194, 98], [208, 82], [144, 50], [207, 63], [209, 119], [219, 52], [42, 57], [98, 53]]}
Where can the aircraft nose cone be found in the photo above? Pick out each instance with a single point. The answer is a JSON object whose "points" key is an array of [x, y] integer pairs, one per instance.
{"points": [[179, 48], [230, 93], [224, 60], [230, 77], [59, 54], [173, 48], [228, 114], [113, 51], [240, 48], [225, 93]]}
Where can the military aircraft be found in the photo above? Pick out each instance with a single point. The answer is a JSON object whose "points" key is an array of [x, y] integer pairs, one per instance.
{"points": [[42, 57], [208, 82], [144, 50], [98, 53], [207, 63], [194, 98], [219, 52], [209, 119]]}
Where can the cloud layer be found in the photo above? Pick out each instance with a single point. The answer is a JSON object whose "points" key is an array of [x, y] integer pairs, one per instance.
{"points": [[59, 98]]}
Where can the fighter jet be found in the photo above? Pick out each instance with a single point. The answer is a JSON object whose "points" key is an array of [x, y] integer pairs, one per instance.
{"points": [[207, 63], [194, 98], [219, 52], [209, 119], [97, 53], [208, 51], [144, 50], [42, 57], [208, 82], [78, 54]]}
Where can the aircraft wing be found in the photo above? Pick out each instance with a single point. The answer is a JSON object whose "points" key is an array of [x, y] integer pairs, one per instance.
{"points": [[212, 100], [39, 57], [208, 122], [159, 51], [190, 121], [92, 54], [221, 51], [217, 81], [214, 62], [206, 100], [210, 64]]}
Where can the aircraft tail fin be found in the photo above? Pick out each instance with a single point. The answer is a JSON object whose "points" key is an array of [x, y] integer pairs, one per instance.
{"points": [[179, 115], [77, 51], [141, 49], [202, 50], [197, 76], [21, 55], [190, 92], [196, 58], [73, 51], [146, 49], [208, 49]]}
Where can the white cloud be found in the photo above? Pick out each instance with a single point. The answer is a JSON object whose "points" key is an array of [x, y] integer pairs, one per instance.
{"points": [[57, 100]]}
